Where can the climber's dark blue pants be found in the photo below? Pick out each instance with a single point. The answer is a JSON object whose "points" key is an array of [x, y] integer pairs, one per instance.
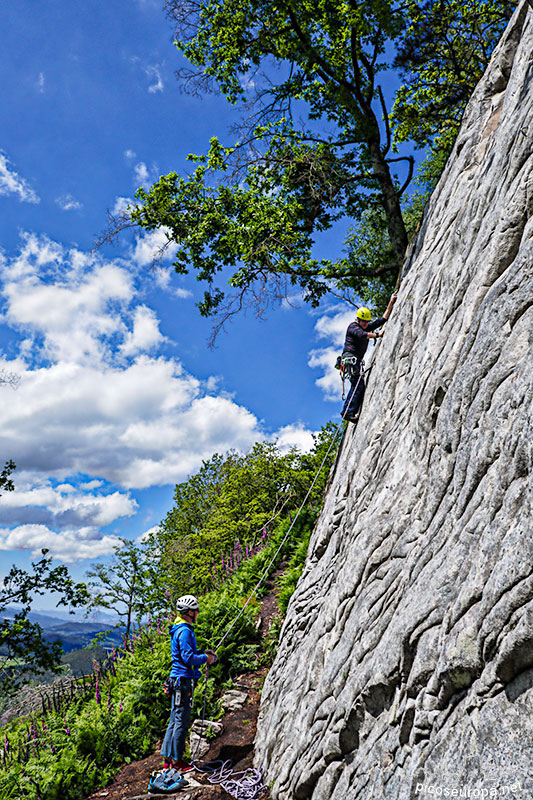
{"points": [[180, 718], [354, 398]]}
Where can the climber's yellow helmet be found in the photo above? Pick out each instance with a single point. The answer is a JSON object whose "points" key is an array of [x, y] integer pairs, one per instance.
{"points": [[364, 313]]}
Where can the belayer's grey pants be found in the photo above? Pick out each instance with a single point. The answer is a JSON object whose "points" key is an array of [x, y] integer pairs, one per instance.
{"points": [[180, 719]]}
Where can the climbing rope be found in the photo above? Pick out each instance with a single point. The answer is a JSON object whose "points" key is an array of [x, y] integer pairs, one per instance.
{"points": [[248, 785], [293, 522], [245, 785]]}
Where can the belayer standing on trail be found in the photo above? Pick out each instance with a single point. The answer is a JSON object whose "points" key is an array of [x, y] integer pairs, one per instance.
{"points": [[186, 660], [358, 335]]}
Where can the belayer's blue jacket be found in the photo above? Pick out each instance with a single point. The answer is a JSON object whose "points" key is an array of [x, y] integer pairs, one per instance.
{"points": [[185, 657]]}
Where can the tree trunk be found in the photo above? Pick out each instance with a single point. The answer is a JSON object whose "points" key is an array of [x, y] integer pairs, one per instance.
{"points": [[390, 201]]}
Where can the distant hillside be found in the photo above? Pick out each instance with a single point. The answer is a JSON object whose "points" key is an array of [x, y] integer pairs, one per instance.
{"points": [[74, 635]]}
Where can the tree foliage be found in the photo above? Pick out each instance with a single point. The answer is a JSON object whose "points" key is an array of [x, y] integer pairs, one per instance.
{"points": [[6, 482], [233, 498], [20, 639], [442, 55], [317, 141]]}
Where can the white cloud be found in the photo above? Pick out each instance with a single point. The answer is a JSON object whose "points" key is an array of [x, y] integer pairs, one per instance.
{"points": [[154, 75], [121, 205], [146, 535], [92, 485], [333, 327], [145, 176], [40, 83], [96, 414], [12, 183], [292, 301], [145, 334], [141, 172], [330, 382], [151, 246], [69, 546], [68, 203], [67, 301], [183, 294], [129, 155], [38, 501], [95, 404], [294, 436]]}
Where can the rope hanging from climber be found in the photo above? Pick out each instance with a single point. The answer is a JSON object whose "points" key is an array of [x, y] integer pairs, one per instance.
{"points": [[185, 657]]}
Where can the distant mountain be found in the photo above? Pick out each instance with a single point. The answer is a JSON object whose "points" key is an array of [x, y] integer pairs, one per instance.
{"points": [[73, 635], [59, 617]]}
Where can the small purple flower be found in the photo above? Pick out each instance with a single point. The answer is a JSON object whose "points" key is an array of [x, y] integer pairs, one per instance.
{"points": [[97, 692], [120, 707]]}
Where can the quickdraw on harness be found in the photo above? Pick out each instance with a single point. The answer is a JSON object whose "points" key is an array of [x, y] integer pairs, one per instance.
{"points": [[350, 367]]}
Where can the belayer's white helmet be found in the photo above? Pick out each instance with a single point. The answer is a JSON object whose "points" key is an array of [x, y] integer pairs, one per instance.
{"points": [[187, 602]]}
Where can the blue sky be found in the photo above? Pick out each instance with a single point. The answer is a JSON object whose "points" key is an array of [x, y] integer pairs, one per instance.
{"points": [[119, 396]]}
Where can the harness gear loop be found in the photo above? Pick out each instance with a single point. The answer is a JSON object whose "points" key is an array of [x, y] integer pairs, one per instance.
{"points": [[351, 366]]}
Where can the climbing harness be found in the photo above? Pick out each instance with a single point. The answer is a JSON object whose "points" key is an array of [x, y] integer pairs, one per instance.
{"points": [[350, 367]]}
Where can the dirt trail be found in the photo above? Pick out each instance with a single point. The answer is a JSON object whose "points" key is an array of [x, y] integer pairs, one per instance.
{"points": [[235, 743]]}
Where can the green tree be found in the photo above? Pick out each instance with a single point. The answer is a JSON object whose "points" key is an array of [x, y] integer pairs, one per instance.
{"points": [[22, 641], [231, 499], [254, 210], [442, 55], [130, 585]]}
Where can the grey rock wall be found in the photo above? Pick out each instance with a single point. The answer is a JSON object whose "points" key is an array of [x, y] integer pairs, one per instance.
{"points": [[405, 667]]}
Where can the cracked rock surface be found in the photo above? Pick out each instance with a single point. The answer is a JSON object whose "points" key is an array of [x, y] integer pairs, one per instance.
{"points": [[406, 657]]}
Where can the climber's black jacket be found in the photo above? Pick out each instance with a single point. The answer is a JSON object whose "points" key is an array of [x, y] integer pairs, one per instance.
{"points": [[356, 340]]}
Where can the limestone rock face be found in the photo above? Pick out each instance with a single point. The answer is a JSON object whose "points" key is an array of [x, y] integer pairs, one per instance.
{"points": [[406, 658]]}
